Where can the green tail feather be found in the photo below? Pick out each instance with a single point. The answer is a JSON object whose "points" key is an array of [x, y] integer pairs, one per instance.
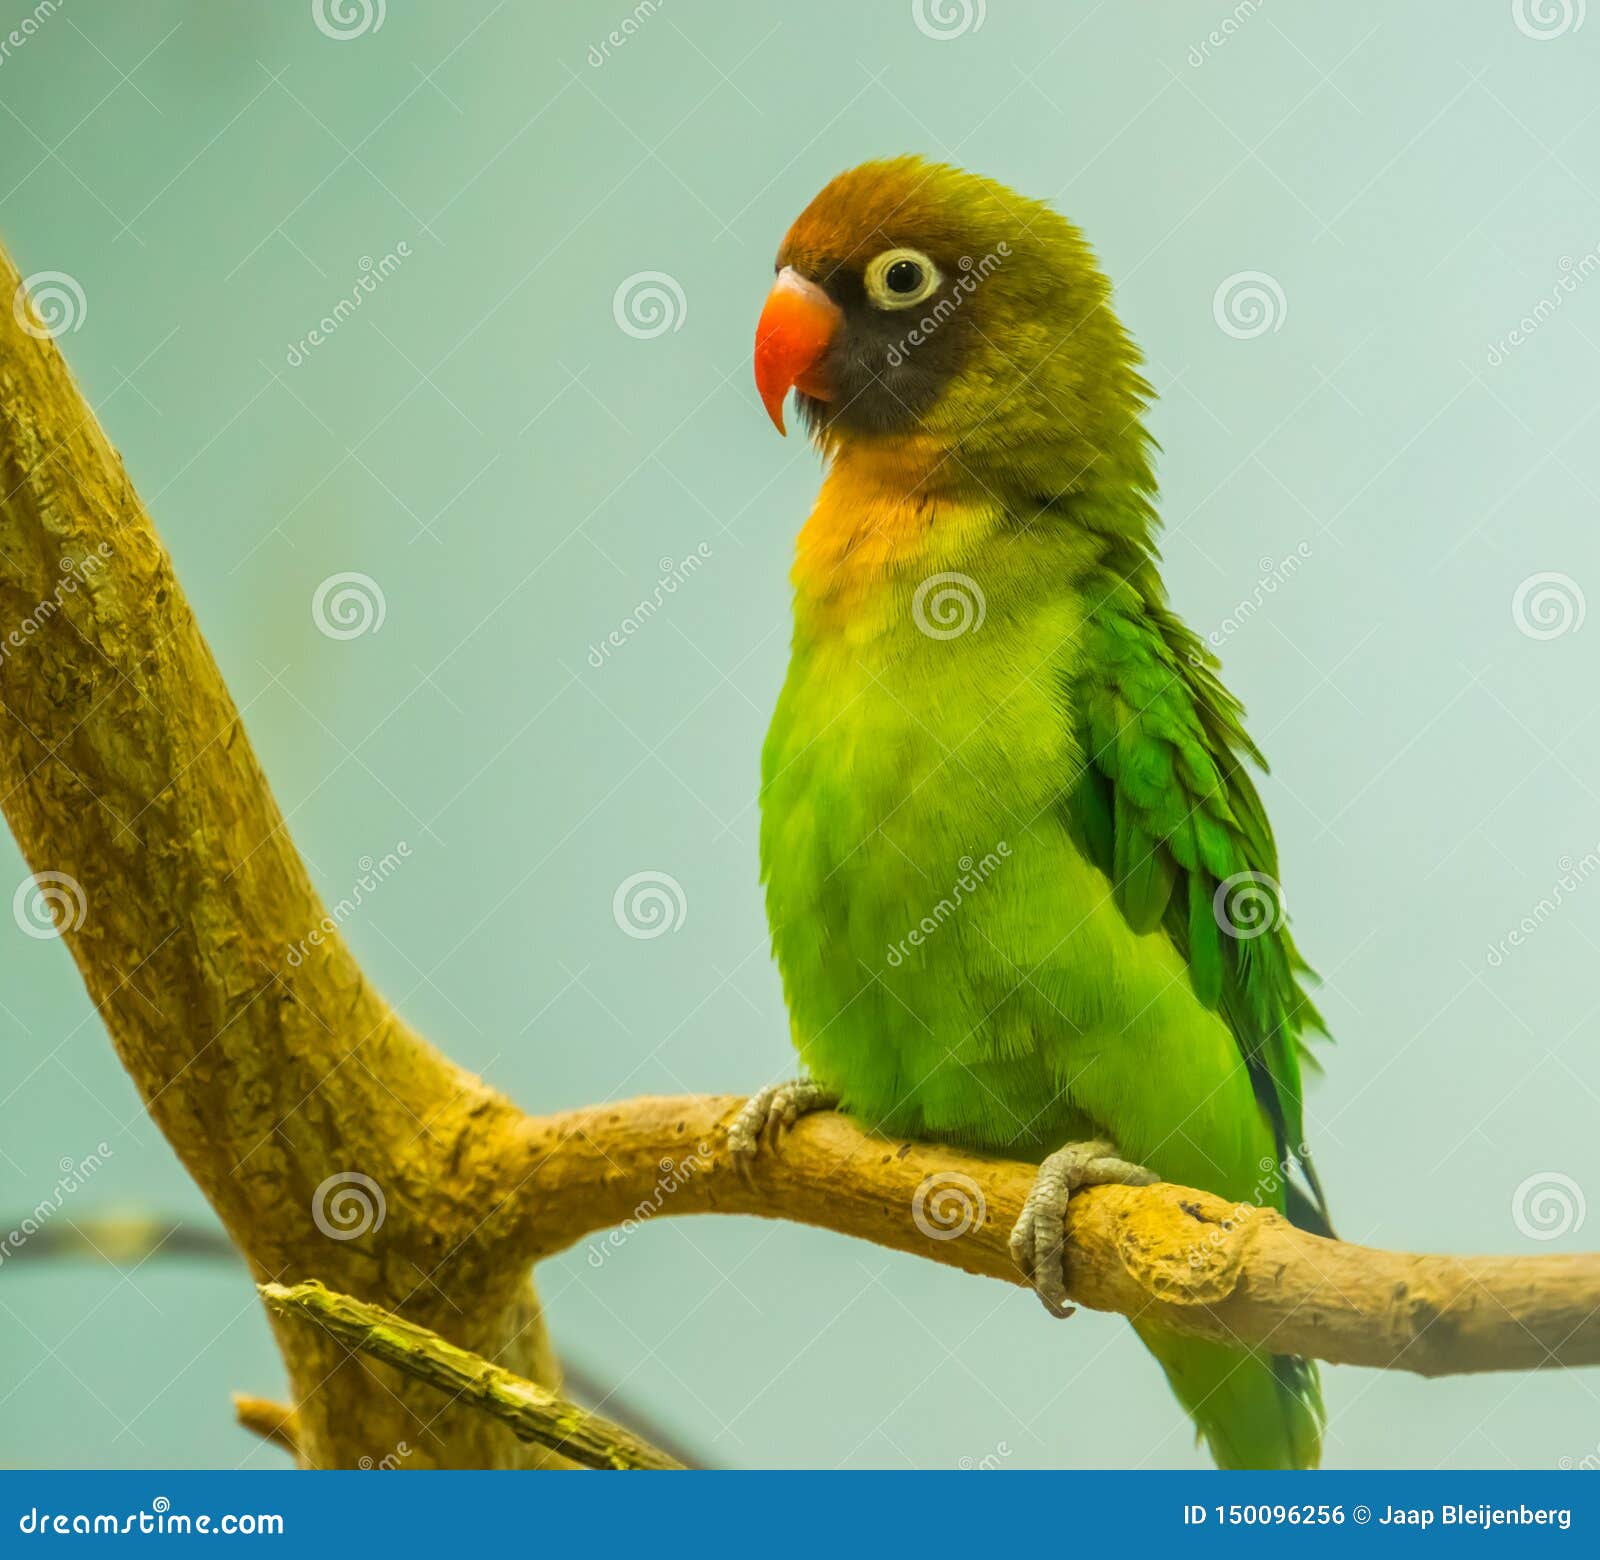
{"points": [[1251, 1410]]}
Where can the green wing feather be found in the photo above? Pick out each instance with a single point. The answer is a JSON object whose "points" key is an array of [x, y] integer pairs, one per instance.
{"points": [[1166, 808]]}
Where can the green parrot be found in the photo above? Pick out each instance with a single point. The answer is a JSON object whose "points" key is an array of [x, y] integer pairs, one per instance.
{"points": [[1022, 892]]}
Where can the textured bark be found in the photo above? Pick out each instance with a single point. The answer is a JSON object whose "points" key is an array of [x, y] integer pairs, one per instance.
{"points": [[528, 1410], [124, 766]]}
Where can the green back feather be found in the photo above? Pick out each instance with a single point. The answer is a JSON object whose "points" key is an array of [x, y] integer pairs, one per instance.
{"points": [[1167, 809]]}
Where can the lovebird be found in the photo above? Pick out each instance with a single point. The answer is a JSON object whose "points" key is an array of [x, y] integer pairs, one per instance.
{"points": [[1022, 892]]}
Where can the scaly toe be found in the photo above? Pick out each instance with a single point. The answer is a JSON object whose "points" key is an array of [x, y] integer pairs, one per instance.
{"points": [[764, 1115], [1038, 1243], [745, 1130], [1041, 1234], [1022, 1245], [1036, 1240]]}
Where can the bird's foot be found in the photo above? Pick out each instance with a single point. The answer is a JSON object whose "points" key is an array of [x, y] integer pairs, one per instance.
{"points": [[1038, 1236], [764, 1115]]}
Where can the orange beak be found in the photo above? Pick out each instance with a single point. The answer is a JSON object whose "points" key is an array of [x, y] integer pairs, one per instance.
{"points": [[795, 329]]}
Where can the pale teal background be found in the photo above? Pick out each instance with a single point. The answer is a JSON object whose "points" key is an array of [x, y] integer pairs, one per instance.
{"points": [[511, 467]]}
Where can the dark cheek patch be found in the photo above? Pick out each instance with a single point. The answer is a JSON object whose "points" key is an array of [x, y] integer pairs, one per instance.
{"points": [[889, 366]]}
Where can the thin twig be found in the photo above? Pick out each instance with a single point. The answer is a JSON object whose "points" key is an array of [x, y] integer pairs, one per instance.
{"points": [[531, 1413], [276, 1423]]}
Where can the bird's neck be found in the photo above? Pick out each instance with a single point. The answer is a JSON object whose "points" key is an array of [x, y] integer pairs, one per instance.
{"points": [[884, 508], [904, 509]]}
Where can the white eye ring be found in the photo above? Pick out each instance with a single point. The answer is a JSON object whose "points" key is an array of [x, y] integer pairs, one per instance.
{"points": [[877, 279]]}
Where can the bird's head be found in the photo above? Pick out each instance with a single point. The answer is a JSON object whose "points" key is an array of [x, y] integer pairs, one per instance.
{"points": [[919, 304]]}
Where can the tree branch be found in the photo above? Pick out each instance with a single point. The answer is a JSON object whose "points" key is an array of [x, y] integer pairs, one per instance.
{"points": [[127, 779], [1167, 1254], [531, 1413], [275, 1423]]}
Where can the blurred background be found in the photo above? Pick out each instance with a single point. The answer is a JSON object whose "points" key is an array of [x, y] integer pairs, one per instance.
{"points": [[1359, 245]]}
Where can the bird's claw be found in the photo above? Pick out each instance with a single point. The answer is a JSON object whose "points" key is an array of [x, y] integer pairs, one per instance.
{"points": [[764, 1115], [1037, 1238]]}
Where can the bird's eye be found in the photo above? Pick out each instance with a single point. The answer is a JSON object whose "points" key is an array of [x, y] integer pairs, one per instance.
{"points": [[904, 276], [899, 278]]}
